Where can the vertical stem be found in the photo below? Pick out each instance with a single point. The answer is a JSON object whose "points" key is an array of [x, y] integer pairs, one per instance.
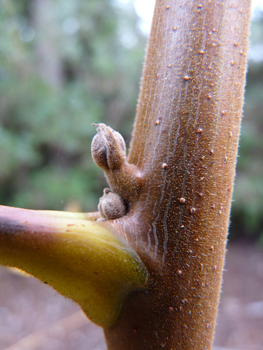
{"points": [[185, 142]]}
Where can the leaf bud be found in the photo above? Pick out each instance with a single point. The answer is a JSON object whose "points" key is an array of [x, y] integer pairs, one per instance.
{"points": [[108, 148], [111, 205]]}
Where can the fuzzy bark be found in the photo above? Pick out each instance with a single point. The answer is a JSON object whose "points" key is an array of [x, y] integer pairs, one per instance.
{"points": [[184, 143]]}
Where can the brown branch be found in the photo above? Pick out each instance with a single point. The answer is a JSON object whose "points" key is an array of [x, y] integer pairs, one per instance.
{"points": [[185, 143]]}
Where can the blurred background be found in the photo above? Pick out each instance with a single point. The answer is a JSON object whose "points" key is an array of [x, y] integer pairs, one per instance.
{"points": [[63, 66]]}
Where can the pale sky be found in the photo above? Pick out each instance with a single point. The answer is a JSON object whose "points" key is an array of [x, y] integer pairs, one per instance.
{"points": [[145, 9]]}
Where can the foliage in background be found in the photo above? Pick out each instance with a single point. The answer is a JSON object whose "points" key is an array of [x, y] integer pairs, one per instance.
{"points": [[64, 65], [247, 210], [67, 64]]}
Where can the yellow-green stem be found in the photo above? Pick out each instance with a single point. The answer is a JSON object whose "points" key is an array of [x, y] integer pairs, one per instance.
{"points": [[82, 259]]}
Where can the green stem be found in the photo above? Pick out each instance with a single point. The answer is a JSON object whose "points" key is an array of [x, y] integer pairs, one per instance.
{"points": [[83, 260]]}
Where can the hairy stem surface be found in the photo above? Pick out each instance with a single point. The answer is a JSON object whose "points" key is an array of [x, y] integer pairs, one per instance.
{"points": [[185, 144]]}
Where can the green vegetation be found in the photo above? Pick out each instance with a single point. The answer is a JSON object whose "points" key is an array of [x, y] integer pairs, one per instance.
{"points": [[247, 210], [66, 65], [63, 67]]}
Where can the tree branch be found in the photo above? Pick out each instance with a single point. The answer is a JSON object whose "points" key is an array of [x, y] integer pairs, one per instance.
{"points": [[82, 259], [185, 143]]}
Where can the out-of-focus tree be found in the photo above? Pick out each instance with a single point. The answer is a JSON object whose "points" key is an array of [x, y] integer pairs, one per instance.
{"points": [[64, 65], [247, 211]]}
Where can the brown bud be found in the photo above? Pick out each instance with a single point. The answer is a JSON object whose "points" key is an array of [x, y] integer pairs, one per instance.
{"points": [[124, 179], [99, 151], [111, 205], [108, 148]]}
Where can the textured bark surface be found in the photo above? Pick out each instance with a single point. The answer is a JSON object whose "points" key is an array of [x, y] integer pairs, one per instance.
{"points": [[185, 146]]}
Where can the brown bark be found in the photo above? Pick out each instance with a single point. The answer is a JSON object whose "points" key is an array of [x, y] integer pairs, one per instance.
{"points": [[185, 146]]}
